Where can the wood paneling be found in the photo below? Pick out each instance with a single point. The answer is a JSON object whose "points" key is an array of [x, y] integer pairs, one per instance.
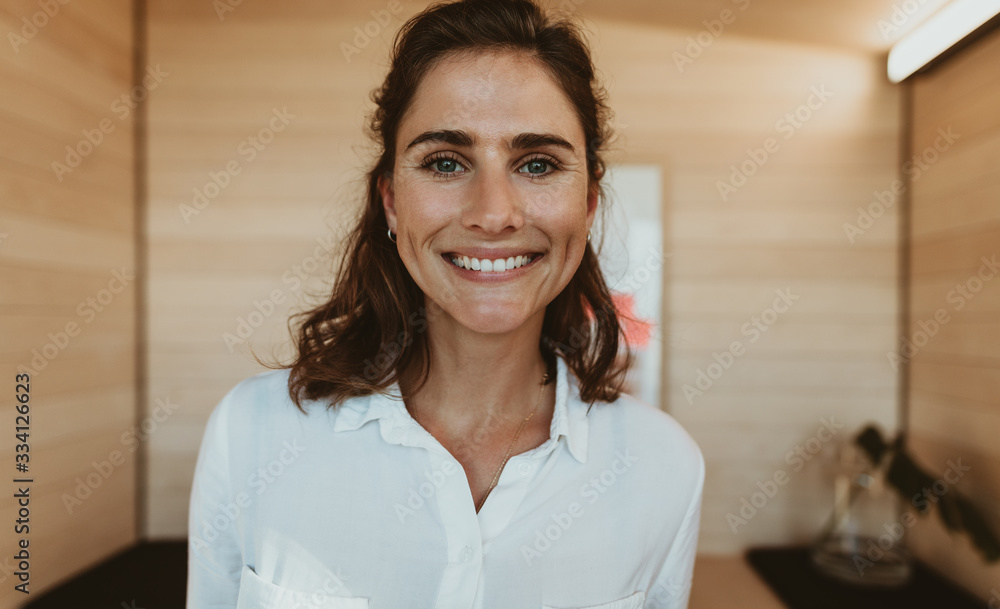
{"points": [[62, 243], [954, 384], [783, 229], [284, 211]]}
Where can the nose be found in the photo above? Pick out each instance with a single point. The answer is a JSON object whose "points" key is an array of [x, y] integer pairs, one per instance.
{"points": [[494, 204]]}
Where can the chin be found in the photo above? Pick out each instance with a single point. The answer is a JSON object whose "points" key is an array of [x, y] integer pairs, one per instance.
{"points": [[492, 320]]}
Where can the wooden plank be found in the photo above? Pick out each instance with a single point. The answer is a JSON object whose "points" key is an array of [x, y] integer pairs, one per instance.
{"points": [[31, 242], [798, 261], [24, 196], [951, 378], [751, 296], [111, 409], [958, 256], [960, 424], [772, 372], [48, 111], [70, 33], [55, 66], [970, 117], [972, 339], [959, 294], [795, 334]]}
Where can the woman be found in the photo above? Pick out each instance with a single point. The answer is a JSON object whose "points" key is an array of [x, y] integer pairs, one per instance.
{"points": [[460, 439]]}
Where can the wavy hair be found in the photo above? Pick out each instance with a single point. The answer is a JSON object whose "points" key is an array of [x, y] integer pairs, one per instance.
{"points": [[372, 328]]}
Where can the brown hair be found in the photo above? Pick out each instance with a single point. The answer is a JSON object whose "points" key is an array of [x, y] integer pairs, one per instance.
{"points": [[372, 328]]}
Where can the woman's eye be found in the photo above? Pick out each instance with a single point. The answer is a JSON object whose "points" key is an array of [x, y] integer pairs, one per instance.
{"points": [[538, 167], [445, 165]]}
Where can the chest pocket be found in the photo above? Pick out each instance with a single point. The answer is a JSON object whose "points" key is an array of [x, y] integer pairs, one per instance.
{"points": [[258, 593], [629, 602]]}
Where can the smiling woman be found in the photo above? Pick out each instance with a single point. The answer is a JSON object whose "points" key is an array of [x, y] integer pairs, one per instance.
{"points": [[460, 424]]}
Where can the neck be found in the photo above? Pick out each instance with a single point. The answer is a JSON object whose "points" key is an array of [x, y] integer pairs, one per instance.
{"points": [[473, 375]]}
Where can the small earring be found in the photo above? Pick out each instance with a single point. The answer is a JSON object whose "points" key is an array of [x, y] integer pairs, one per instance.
{"points": [[588, 236], [391, 238]]}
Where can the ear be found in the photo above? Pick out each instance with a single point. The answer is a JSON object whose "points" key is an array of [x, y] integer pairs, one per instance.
{"points": [[385, 188]]}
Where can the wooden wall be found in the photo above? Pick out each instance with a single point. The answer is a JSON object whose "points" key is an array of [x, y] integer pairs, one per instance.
{"points": [[67, 299], [822, 356], [226, 270], [954, 383], [784, 229]]}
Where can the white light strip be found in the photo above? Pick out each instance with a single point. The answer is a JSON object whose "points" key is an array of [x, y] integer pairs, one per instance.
{"points": [[938, 34]]}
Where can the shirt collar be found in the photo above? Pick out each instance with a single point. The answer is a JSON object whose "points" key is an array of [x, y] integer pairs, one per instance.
{"points": [[569, 419]]}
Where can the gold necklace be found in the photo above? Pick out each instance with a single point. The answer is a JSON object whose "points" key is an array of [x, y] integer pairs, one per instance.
{"points": [[496, 477]]}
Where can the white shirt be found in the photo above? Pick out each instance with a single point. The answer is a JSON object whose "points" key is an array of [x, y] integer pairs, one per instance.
{"points": [[360, 506]]}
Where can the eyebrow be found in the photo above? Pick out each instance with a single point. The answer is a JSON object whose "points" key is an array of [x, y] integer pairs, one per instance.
{"points": [[520, 142]]}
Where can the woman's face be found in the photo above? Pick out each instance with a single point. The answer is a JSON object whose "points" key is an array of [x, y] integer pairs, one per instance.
{"points": [[491, 173]]}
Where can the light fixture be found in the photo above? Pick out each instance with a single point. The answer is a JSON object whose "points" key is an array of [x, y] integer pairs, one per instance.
{"points": [[939, 33]]}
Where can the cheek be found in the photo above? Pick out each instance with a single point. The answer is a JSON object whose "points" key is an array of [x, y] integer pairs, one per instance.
{"points": [[422, 208], [563, 215]]}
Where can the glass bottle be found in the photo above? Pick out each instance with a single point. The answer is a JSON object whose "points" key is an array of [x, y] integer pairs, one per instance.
{"points": [[863, 544]]}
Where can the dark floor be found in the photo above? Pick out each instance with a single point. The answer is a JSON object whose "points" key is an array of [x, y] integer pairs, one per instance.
{"points": [[154, 576], [146, 576]]}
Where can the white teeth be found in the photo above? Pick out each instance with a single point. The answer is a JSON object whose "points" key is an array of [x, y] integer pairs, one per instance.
{"points": [[491, 266]]}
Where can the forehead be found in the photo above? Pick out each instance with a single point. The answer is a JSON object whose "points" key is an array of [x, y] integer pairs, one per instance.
{"points": [[495, 94]]}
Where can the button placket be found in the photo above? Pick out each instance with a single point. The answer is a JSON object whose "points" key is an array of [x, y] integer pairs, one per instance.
{"points": [[463, 537]]}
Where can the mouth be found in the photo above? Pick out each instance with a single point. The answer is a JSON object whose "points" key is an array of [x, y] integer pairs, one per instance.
{"points": [[491, 266]]}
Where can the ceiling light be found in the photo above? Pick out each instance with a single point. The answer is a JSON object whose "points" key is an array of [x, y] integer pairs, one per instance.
{"points": [[939, 33]]}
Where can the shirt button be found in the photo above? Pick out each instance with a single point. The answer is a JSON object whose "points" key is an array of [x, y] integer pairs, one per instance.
{"points": [[466, 554], [524, 468]]}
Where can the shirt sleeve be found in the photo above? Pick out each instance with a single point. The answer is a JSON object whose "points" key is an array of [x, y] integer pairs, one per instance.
{"points": [[671, 588], [215, 558]]}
